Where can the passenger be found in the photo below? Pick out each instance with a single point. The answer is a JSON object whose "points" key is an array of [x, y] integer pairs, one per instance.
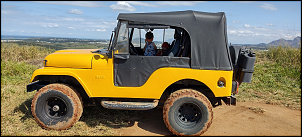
{"points": [[150, 48], [164, 47]]}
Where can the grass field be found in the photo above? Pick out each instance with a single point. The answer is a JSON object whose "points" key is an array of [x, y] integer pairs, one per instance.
{"points": [[275, 81]]}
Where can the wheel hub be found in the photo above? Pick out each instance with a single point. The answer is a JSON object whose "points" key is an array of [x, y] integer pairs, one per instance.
{"points": [[55, 108], [188, 113]]}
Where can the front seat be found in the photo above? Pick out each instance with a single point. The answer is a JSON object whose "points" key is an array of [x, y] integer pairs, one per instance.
{"points": [[175, 45]]}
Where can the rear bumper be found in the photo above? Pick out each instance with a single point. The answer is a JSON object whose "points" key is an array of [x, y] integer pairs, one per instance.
{"points": [[35, 86], [231, 100]]}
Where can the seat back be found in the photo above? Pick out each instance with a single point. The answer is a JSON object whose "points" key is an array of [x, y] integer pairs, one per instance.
{"points": [[185, 46], [175, 45]]}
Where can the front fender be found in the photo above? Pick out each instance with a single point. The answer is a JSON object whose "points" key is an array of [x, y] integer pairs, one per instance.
{"points": [[83, 76]]}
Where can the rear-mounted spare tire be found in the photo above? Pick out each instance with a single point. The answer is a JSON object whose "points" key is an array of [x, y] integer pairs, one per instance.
{"points": [[57, 107]]}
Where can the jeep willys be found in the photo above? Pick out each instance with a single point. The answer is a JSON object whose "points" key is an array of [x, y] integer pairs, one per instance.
{"points": [[198, 71]]}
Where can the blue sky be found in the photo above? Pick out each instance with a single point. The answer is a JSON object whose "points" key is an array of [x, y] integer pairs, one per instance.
{"points": [[248, 22]]}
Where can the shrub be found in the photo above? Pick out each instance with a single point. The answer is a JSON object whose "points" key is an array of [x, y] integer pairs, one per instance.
{"points": [[14, 52], [286, 56]]}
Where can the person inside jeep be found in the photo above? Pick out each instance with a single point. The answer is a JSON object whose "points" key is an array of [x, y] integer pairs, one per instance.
{"points": [[150, 48], [164, 47]]}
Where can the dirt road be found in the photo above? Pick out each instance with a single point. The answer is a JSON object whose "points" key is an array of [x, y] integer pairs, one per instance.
{"points": [[245, 119]]}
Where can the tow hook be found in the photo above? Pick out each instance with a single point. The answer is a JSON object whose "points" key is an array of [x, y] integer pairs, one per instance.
{"points": [[231, 100]]}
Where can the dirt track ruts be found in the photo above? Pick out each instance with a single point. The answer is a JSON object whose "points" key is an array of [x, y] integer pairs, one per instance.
{"points": [[245, 119]]}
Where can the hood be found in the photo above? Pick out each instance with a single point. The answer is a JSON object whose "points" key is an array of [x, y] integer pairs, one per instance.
{"points": [[70, 58]]}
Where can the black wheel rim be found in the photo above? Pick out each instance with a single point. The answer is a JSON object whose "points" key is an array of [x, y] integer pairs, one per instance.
{"points": [[55, 107], [188, 115]]}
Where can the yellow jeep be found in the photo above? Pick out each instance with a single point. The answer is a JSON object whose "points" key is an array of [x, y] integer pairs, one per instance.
{"points": [[198, 71]]}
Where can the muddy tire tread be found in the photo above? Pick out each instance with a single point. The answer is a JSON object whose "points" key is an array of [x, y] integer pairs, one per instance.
{"points": [[67, 90], [186, 93]]}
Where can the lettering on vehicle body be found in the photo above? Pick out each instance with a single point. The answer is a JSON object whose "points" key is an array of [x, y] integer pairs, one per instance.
{"points": [[99, 77]]}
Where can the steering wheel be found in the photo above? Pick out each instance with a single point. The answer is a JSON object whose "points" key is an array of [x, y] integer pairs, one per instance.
{"points": [[133, 51]]}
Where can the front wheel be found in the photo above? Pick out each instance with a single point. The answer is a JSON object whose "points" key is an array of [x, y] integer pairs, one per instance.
{"points": [[56, 106], [187, 112]]}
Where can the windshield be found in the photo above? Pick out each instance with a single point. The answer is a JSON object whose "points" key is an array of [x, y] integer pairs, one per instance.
{"points": [[104, 50], [111, 40]]}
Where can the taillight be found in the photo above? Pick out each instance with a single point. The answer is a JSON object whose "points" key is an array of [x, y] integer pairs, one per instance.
{"points": [[235, 87]]}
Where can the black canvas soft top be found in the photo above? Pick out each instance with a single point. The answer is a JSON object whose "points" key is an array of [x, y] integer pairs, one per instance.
{"points": [[208, 33]]}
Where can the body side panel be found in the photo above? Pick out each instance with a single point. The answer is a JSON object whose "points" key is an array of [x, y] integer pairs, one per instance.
{"points": [[99, 81], [103, 81]]}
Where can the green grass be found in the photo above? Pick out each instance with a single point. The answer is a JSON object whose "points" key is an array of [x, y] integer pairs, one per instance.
{"points": [[17, 65], [17, 53], [276, 79], [272, 83]]}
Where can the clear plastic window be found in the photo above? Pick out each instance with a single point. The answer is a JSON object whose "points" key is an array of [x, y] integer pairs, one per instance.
{"points": [[138, 38], [122, 44], [160, 36]]}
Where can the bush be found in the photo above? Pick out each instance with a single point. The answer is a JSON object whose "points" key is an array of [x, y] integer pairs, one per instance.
{"points": [[16, 53], [276, 79], [286, 56]]}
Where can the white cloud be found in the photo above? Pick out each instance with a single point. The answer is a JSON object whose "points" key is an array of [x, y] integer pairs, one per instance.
{"points": [[4, 11], [290, 37], [178, 3], [72, 19], [58, 19], [89, 4], [249, 34], [50, 25], [268, 6], [75, 11], [269, 24], [246, 2], [88, 29], [102, 30], [142, 3], [122, 6], [71, 27], [241, 32], [247, 26], [125, 5]]}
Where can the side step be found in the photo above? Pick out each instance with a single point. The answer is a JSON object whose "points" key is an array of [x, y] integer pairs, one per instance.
{"points": [[129, 105]]}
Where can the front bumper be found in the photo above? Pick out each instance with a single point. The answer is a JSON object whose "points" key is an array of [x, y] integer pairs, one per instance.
{"points": [[35, 86]]}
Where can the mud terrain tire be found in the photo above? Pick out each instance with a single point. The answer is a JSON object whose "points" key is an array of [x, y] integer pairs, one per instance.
{"points": [[187, 112], [57, 107]]}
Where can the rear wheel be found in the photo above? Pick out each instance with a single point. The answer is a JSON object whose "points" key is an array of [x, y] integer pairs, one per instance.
{"points": [[56, 106], [187, 112]]}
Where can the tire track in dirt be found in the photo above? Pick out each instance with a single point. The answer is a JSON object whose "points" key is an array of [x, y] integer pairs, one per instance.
{"points": [[245, 119]]}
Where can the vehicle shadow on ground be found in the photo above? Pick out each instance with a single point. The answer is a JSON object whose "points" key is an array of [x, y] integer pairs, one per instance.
{"points": [[25, 108], [148, 120], [154, 122]]}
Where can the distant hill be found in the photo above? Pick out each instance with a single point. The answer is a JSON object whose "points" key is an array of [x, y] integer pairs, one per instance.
{"points": [[293, 43]]}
